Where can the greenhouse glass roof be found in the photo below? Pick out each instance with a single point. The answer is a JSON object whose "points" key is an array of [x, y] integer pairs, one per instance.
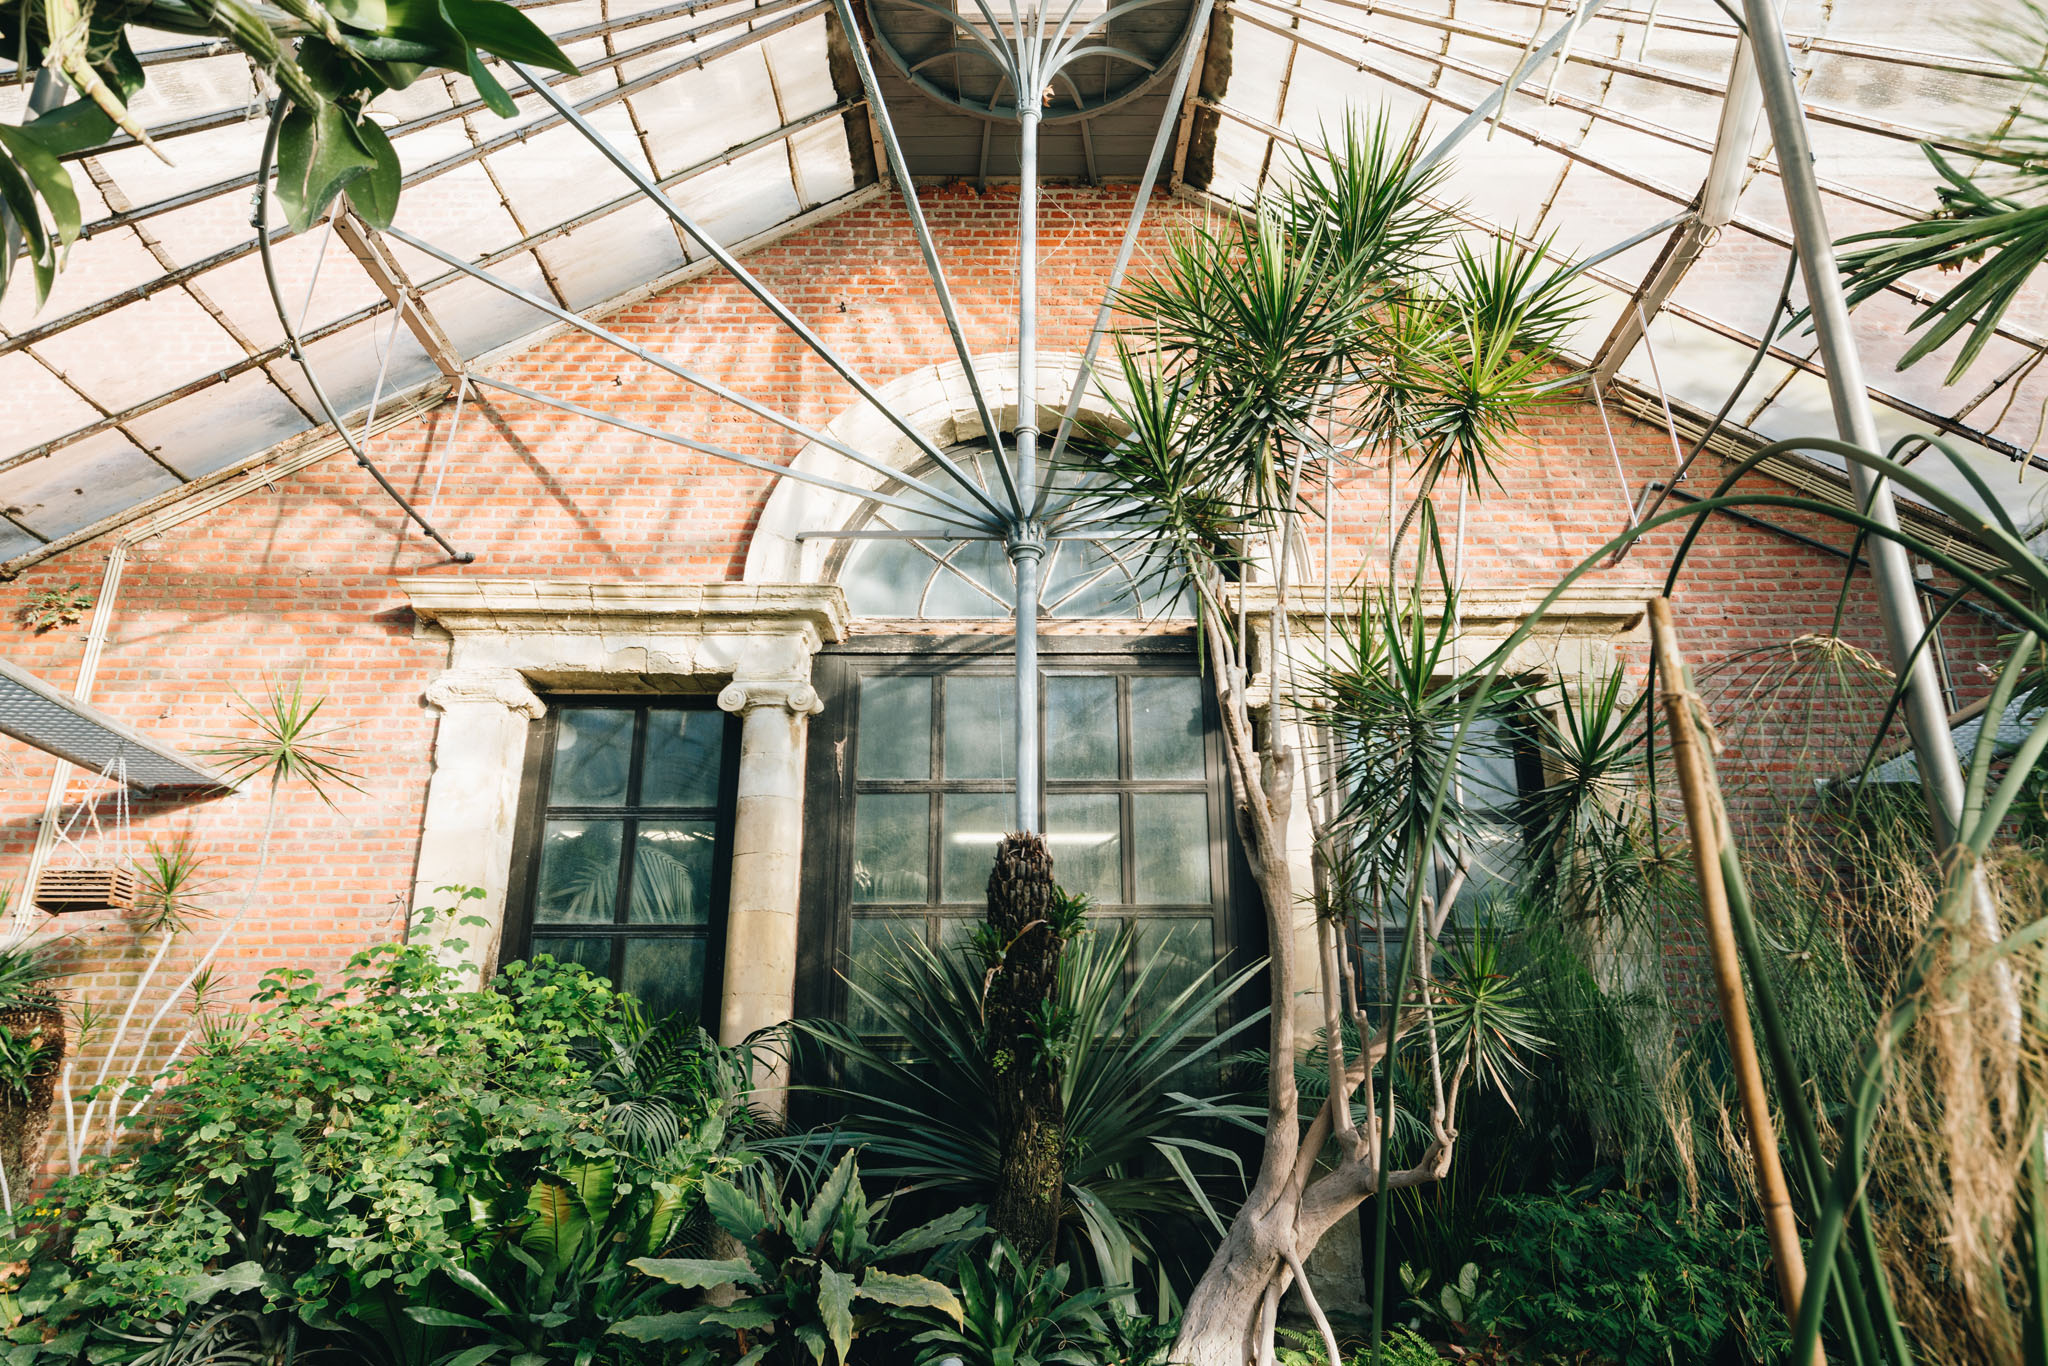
{"points": [[159, 359]]}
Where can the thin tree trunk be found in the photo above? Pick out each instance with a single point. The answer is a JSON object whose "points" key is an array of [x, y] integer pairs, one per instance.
{"points": [[1031, 1171]]}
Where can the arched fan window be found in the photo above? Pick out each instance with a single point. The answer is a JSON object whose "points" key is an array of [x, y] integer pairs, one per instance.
{"points": [[893, 575]]}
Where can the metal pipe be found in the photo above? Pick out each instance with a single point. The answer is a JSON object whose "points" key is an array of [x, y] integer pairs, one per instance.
{"points": [[1027, 544], [746, 281], [1198, 25], [1890, 572], [878, 110]]}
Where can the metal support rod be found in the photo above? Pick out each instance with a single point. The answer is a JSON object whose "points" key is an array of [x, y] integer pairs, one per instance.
{"points": [[1027, 545], [688, 376], [1494, 101], [1198, 25], [746, 281], [878, 110], [716, 452], [1941, 774]]}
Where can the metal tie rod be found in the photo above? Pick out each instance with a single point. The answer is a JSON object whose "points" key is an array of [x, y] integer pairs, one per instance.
{"points": [[682, 372], [718, 452], [754, 286], [878, 110], [1196, 25]]}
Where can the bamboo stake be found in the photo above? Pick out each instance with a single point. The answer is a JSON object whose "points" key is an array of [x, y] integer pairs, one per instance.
{"points": [[1702, 812]]}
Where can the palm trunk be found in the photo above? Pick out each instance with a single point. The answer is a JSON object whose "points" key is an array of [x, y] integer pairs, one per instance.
{"points": [[1031, 1169]]}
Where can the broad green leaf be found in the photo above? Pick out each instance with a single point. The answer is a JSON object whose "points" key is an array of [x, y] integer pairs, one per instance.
{"points": [[18, 201], [810, 1337], [908, 1292], [696, 1273], [71, 127], [961, 1224], [835, 1308], [443, 1318], [49, 177], [469, 1281], [593, 1182], [503, 31], [318, 154], [559, 1224], [488, 86], [684, 1327], [733, 1211], [473, 1355], [825, 1206], [368, 15]]}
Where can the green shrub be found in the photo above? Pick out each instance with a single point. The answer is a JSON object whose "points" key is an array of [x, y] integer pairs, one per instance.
{"points": [[1616, 1278], [399, 1167]]}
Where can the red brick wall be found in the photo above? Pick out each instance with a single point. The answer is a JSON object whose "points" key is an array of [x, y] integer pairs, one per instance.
{"points": [[298, 581]]}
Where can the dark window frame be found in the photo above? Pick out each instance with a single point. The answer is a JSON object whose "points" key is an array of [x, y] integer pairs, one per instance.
{"points": [[534, 812], [827, 909]]}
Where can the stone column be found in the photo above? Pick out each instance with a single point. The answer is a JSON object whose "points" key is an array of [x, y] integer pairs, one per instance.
{"points": [[473, 799], [767, 853]]}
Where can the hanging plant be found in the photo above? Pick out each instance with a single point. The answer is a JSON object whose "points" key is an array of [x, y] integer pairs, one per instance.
{"points": [[55, 607]]}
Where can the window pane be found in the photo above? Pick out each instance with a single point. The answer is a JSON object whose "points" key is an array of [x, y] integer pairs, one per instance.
{"points": [[1170, 834], [1080, 727], [981, 726], [1172, 953], [1166, 728], [591, 951], [579, 872], [667, 975], [685, 750], [895, 728], [872, 941], [889, 846], [672, 863], [1087, 844], [974, 823], [593, 757]]}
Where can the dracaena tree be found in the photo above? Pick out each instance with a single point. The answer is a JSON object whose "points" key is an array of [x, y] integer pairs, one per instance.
{"points": [[328, 58], [1338, 327]]}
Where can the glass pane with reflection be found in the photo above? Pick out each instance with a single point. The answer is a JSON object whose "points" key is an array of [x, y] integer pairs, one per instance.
{"points": [[593, 757], [667, 975], [579, 871], [974, 823], [871, 944], [895, 728], [591, 951], [1170, 838], [672, 868], [1080, 727], [890, 830], [1084, 833], [1171, 953], [981, 726], [685, 752], [1166, 728]]}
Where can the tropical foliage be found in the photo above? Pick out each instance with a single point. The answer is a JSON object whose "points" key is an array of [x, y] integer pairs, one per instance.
{"points": [[1139, 1082], [328, 60]]}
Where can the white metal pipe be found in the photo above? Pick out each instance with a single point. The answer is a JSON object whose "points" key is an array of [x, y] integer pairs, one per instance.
{"points": [[1027, 546], [1941, 776]]}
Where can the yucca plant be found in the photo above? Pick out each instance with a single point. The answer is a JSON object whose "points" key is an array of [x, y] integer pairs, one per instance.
{"points": [[917, 1100]]}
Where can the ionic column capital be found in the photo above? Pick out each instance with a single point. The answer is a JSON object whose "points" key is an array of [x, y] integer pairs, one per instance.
{"points": [[792, 695], [495, 687]]}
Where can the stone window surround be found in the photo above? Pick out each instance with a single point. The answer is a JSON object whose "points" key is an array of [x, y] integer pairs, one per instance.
{"points": [[512, 639]]}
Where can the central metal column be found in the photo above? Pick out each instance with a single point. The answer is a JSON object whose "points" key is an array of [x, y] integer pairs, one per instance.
{"points": [[1027, 543], [1941, 776]]}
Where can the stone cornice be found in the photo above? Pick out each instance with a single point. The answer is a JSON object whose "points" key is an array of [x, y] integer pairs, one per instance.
{"points": [[1596, 608], [464, 605]]}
